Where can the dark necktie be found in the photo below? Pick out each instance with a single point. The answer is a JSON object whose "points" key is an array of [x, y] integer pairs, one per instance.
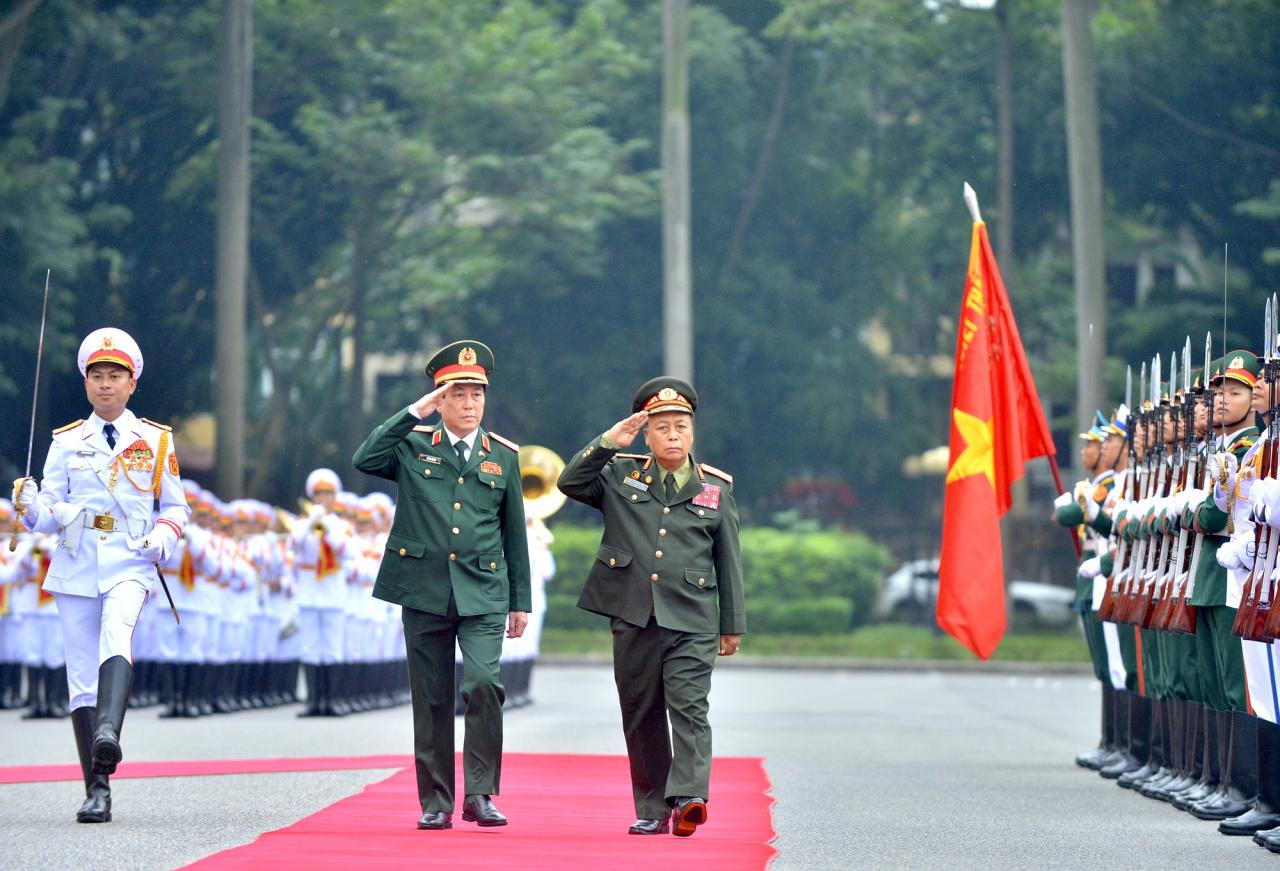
{"points": [[669, 487], [461, 447], [109, 432]]}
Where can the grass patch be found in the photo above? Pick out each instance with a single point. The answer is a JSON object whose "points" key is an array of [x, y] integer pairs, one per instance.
{"points": [[881, 641]]}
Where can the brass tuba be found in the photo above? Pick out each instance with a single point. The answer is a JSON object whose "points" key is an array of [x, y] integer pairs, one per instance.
{"points": [[540, 468]]}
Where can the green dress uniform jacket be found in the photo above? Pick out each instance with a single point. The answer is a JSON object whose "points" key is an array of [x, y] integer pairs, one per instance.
{"points": [[680, 563], [458, 530]]}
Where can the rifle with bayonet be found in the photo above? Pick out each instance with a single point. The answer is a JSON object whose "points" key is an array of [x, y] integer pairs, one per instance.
{"points": [[1158, 549], [1181, 412], [1136, 486], [1127, 597], [1253, 617]]}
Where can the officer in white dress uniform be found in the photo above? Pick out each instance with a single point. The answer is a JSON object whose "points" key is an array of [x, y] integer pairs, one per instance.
{"points": [[102, 479]]}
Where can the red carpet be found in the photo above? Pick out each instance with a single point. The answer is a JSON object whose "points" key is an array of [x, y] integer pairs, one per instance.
{"points": [[206, 767], [567, 812]]}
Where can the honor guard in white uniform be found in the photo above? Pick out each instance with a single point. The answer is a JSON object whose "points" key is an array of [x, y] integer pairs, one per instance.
{"points": [[37, 631], [11, 650], [319, 544], [102, 480]]}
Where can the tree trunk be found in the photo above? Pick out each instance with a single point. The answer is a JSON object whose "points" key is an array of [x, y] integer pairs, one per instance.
{"points": [[1004, 122], [1084, 155], [677, 290], [235, 79], [361, 251]]}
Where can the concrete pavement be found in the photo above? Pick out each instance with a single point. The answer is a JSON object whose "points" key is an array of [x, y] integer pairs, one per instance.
{"points": [[869, 769]]}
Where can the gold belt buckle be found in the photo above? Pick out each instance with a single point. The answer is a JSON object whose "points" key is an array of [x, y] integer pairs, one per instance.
{"points": [[105, 522]]}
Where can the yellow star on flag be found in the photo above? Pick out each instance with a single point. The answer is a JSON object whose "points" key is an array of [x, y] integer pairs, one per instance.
{"points": [[979, 449]]}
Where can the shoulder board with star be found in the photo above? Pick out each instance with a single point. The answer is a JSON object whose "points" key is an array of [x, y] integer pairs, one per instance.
{"points": [[424, 427], [714, 471], [156, 425], [500, 440], [72, 425]]}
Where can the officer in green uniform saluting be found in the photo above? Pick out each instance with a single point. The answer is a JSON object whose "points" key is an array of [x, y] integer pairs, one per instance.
{"points": [[669, 575], [457, 561]]}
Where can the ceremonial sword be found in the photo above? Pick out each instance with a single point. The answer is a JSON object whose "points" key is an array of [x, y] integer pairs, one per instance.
{"points": [[31, 436]]}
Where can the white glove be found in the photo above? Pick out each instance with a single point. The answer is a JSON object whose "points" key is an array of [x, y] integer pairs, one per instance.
{"points": [[25, 491], [1265, 494], [159, 543], [316, 512], [1064, 499], [1090, 568], [1090, 509], [1239, 553]]}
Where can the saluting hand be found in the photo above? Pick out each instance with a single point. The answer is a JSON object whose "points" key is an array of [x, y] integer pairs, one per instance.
{"points": [[431, 402], [624, 431]]}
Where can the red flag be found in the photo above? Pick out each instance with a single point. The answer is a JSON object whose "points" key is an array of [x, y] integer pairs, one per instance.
{"points": [[996, 426]]}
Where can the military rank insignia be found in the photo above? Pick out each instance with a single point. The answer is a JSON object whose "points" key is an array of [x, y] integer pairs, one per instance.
{"points": [[632, 482], [490, 468], [173, 465], [709, 497]]}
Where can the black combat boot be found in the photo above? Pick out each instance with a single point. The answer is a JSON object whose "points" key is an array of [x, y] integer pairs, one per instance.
{"points": [[1240, 775], [1265, 814]]}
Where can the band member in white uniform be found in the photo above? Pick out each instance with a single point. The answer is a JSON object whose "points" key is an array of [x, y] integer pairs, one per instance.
{"points": [[101, 481]]}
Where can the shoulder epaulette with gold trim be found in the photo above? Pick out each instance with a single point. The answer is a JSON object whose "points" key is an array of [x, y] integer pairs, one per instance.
{"points": [[713, 470], [424, 427], [156, 425], [73, 425], [1243, 445], [633, 456], [500, 440]]}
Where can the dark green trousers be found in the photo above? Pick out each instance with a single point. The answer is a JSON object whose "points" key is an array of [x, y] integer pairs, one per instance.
{"points": [[429, 642], [1221, 659], [661, 673], [1180, 666]]}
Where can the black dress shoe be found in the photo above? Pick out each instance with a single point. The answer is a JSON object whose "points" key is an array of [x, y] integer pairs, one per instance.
{"points": [[649, 827], [688, 814], [1249, 823], [436, 820], [479, 809]]}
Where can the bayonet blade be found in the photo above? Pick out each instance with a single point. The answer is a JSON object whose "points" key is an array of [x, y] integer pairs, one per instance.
{"points": [[1128, 387], [1186, 367]]}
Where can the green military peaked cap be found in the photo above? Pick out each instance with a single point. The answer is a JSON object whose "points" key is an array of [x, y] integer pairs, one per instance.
{"points": [[1242, 366], [463, 362], [665, 393]]}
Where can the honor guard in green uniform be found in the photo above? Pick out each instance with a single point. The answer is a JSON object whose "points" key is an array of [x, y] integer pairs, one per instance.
{"points": [[669, 576], [1218, 651], [457, 562]]}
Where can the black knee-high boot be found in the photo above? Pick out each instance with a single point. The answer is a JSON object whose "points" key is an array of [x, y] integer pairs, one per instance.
{"points": [[1265, 813], [1239, 751], [114, 679], [97, 787]]}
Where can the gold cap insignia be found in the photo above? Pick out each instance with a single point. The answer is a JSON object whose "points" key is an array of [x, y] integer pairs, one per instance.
{"points": [[467, 357], [107, 342], [667, 394], [1236, 363]]}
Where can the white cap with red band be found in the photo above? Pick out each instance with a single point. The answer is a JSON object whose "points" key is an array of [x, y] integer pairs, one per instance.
{"points": [[110, 345]]}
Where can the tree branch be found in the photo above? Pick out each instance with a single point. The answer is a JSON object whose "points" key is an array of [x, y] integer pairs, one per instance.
{"points": [[1202, 129], [763, 160]]}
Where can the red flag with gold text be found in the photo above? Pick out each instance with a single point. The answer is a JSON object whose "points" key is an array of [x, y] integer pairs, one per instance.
{"points": [[996, 426]]}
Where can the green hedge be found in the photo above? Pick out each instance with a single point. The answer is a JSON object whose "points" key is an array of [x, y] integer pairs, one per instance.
{"points": [[799, 582]]}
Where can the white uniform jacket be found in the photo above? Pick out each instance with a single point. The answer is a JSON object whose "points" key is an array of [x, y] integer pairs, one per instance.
{"points": [[98, 501]]}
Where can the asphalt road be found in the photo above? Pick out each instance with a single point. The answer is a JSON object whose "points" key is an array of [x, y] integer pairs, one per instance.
{"points": [[869, 769]]}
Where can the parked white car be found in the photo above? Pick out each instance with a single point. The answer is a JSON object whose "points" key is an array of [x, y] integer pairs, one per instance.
{"points": [[912, 589]]}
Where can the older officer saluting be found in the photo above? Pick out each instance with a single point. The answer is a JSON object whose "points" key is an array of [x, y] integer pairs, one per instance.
{"points": [[669, 575], [457, 562], [102, 480]]}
